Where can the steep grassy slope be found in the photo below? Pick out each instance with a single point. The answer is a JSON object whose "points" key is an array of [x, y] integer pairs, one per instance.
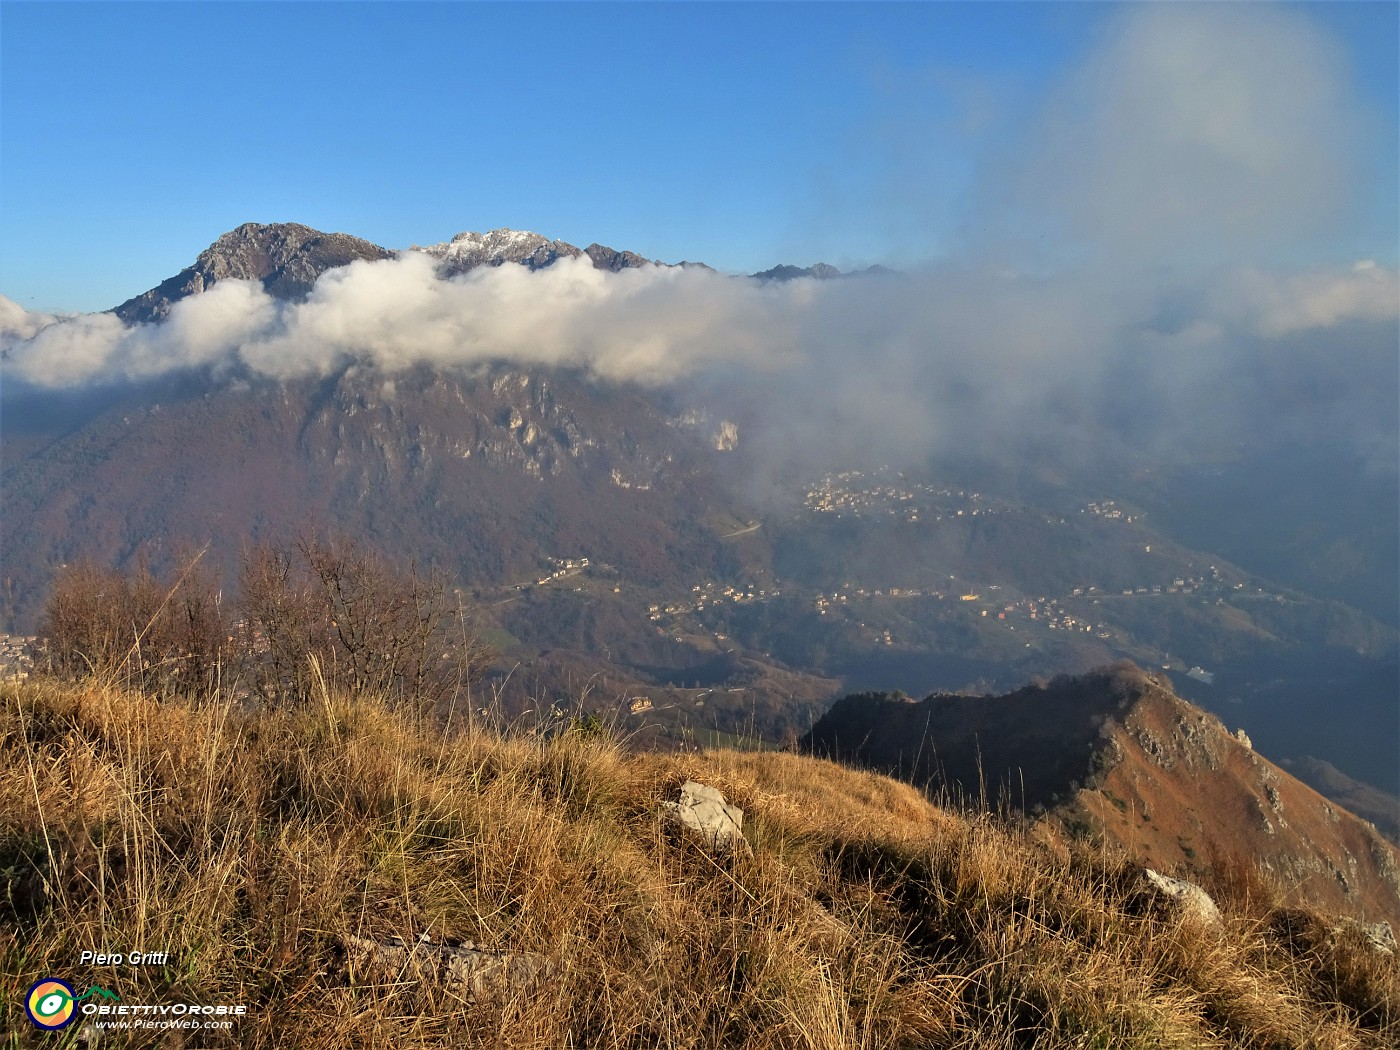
{"points": [[253, 846], [1379, 807]]}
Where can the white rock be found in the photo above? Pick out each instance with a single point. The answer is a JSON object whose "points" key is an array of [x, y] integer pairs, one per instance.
{"points": [[1378, 935], [704, 810], [465, 968], [726, 439], [1191, 902]]}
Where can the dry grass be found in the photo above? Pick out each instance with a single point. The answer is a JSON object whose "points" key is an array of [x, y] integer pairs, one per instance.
{"points": [[250, 845]]}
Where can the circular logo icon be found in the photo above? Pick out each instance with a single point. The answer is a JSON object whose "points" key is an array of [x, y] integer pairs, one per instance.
{"points": [[50, 1003]]}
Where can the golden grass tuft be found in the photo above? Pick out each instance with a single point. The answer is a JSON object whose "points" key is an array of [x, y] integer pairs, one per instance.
{"points": [[251, 845]]}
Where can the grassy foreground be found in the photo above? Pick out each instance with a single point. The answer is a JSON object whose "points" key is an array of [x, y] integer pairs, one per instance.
{"points": [[251, 845]]}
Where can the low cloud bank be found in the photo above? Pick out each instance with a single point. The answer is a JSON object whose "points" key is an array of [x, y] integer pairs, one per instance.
{"points": [[877, 363], [658, 326], [650, 326]]}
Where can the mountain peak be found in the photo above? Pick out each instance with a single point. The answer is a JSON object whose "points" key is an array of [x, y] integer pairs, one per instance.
{"points": [[469, 249], [286, 257]]}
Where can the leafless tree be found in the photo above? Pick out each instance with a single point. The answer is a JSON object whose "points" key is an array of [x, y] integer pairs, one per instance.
{"points": [[372, 626], [320, 611], [137, 629]]}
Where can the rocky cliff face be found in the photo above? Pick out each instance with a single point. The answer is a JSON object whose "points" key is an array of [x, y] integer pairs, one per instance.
{"points": [[605, 258], [486, 473], [1118, 755], [286, 257]]}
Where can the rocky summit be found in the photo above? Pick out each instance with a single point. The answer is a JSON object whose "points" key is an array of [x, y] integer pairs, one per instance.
{"points": [[285, 257]]}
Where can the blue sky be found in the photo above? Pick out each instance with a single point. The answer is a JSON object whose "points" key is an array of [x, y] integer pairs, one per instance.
{"points": [[131, 135]]}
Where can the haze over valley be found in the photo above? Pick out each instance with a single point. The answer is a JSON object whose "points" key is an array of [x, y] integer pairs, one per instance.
{"points": [[730, 496]]}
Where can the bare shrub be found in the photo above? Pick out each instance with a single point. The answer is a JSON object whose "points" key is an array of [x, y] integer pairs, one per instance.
{"points": [[136, 629], [319, 615], [281, 627], [370, 625]]}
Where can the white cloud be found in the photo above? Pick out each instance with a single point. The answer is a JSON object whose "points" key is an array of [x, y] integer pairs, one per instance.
{"points": [[1196, 132], [1274, 305], [653, 325], [17, 323]]}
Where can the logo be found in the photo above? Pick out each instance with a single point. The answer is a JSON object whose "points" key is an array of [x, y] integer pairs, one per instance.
{"points": [[50, 1004]]}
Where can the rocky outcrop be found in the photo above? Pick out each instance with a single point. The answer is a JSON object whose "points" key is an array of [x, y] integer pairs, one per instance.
{"points": [[605, 258], [1378, 936], [286, 258], [1190, 903]]}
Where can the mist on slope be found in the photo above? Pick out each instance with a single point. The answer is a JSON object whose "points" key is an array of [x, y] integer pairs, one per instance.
{"points": [[1127, 269]]}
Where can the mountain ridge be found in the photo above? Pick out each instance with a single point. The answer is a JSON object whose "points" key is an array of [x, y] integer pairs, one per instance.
{"points": [[288, 257], [1117, 755]]}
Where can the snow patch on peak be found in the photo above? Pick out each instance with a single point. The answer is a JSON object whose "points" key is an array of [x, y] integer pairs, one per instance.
{"points": [[503, 239], [469, 249]]}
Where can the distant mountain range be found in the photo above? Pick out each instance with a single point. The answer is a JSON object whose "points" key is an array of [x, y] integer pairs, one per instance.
{"points": [[287, 258]]}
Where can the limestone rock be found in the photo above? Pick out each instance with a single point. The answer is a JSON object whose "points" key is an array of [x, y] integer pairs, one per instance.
{"points": [[1377, 935], [704, 810], [1191, 902], [726, 438], [285, 256], [465, 968]]}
